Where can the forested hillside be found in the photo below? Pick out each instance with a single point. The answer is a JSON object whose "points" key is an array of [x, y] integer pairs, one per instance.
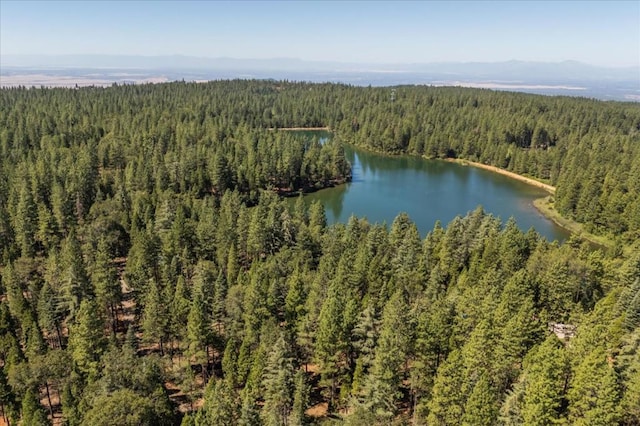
{"points": [[152, 275]]}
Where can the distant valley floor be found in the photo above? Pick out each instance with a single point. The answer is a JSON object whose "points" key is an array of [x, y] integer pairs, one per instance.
{"points": [[103, 77]]}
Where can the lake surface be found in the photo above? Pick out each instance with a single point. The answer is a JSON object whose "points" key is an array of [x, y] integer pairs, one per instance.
{"points": [[430, 190]]}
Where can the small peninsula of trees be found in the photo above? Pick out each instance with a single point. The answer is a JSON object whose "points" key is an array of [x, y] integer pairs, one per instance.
{"points": [[152, 274]]}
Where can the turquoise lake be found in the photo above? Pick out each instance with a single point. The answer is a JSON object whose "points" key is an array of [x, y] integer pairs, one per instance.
{"points": [[428, 191]]}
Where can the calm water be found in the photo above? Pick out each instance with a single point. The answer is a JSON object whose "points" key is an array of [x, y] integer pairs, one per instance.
{"points": [[429, 190]]}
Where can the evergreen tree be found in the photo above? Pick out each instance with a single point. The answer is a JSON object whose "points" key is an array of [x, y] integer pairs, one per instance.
{"points": [[142, 260], [34, 345], [300, 399], [220, 405], [632, 311], [154, 316], [278, 379], [7, 233], [511, 409], [62, 207], [17, 304], [8, 403], [49, 318], [26, 221], [198, 331], [365, 335], [391, 354], [47, 233], [330, 343], [86, 338], [122, 407], [32, 412], [545, 373], [76, 286], [296, 296], [218, 302], [446, 406], [180, 308], [249, 412], [104, 277], [594, 396], [630, 404], [481, 407]]}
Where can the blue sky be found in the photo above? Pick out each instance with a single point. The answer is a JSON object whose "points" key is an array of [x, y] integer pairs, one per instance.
{"points": [[600, 33]]}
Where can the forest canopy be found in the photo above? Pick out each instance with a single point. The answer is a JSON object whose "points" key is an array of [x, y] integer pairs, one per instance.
{"points": [[152, 274]]}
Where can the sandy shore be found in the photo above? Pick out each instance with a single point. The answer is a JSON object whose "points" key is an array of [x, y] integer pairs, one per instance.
{"points": [[299, 128], [550, 189]]}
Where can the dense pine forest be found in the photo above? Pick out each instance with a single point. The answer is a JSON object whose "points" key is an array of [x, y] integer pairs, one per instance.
{"points": [[152, 274]]}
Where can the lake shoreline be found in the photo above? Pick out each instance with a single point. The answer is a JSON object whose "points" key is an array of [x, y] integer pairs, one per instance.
{"points": [[300, 129], [544, 205], [533, 182], [289, 193]]}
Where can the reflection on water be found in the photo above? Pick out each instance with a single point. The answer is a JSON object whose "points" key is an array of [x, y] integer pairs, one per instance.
{"points": [[429, 190], [333, 205]]}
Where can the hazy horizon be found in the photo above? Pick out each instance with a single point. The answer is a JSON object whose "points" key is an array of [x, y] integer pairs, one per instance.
{"points": [[568, 78], [32, 59]]}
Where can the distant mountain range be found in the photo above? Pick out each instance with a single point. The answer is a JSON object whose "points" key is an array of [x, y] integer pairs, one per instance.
{"points": [[567, 78], [509, 69]]}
